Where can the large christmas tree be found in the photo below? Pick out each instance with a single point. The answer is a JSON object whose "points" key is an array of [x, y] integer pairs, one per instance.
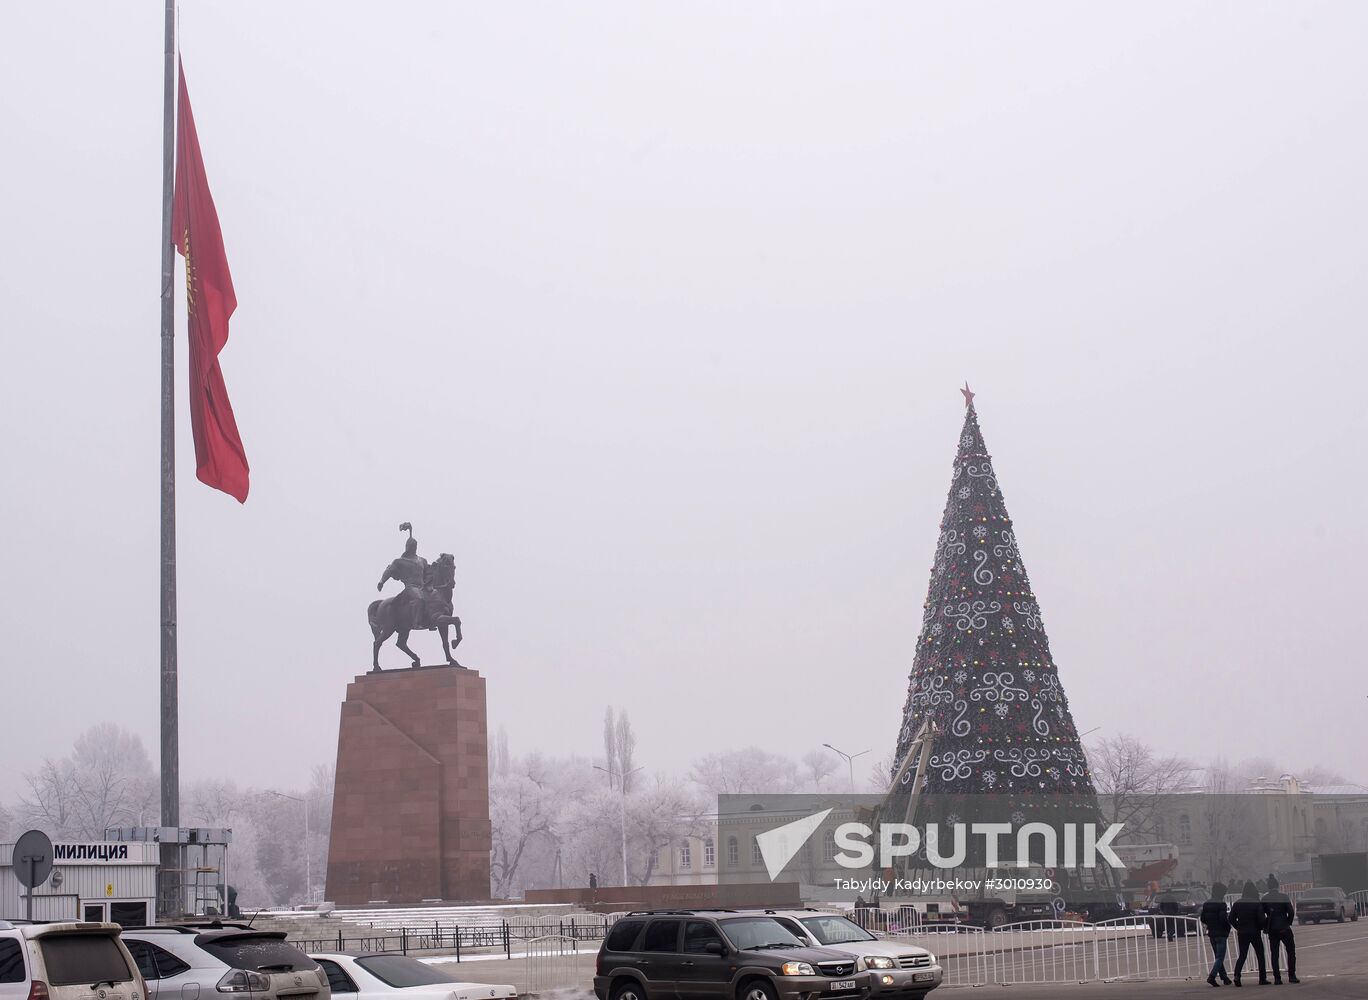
{"points": [[1005, 746]]}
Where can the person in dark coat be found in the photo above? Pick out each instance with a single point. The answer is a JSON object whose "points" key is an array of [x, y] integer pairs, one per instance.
{"points": [[1249, 918], [1168, 906], [1216, 919], [1280, 917]]}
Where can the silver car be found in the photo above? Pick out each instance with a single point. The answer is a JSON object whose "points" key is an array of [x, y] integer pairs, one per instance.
{"points": [[895, 967], [66, 961], [188, 962]]}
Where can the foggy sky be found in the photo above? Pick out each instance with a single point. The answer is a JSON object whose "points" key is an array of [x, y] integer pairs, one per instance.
{"points": [[653, 315]]}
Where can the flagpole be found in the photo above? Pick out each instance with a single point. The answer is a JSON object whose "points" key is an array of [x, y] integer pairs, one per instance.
{"points": [[170, 713]]}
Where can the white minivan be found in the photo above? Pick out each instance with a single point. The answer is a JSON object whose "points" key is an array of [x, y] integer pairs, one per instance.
{"points": [[66, 961]]}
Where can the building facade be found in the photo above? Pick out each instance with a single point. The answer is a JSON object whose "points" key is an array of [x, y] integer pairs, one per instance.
{"points": [[89, 881]]}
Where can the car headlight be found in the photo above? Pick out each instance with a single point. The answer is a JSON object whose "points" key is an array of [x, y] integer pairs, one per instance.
{"points": [[879, 962], [798, 969], [242, 981]]}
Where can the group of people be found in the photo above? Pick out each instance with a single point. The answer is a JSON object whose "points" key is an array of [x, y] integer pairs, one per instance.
{"points": [[1251, 918]]}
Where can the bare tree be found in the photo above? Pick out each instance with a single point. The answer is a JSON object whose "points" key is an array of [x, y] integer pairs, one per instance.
{"points": [[1229, 837], [523, 807], [213, 802], [817, 771], [659, 820], [1133, 781], [499, 758], [626, 750], [750, 771], [1240, 774], [50, 804], [610, 744], [1317, 774], [107, 781], [881, 775]]}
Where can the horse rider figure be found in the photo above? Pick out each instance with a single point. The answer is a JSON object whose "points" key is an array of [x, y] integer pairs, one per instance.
{"points": [[424, 603]]}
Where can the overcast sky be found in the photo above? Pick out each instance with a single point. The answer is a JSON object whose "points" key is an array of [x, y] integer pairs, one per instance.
{"points": [[654, 314]]}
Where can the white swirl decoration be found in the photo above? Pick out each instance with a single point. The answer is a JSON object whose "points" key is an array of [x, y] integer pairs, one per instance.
{"points": [[971, 614], [1024, 762], [1073, 761], [1030, 614], [1051, 693], [954, 544], [960, 726], [930, 692], [983, 576], [998, 686], [957, 764], [1007, 548], [984, 471]]}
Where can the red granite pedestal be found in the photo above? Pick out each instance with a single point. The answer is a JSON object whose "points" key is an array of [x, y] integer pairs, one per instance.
{"points": [[410, 815]]}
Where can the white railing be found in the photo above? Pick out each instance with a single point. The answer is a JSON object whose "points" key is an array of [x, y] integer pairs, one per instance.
{"points": [[1360, 899], [903, 920], [1041, 951], [551, 963], [1069, 951], [1166, 947]]}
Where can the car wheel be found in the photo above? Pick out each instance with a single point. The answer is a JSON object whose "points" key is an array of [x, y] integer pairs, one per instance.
{"points": [[1315, 920], [997, 917], [757, 989], [629, 990], [1302, 921]]}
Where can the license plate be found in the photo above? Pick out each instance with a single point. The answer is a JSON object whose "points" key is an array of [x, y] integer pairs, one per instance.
{"points": [[923, 977], [842, 984]]}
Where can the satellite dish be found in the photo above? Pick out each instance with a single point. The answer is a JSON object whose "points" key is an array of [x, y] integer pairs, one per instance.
{"points": [[33, 858]]}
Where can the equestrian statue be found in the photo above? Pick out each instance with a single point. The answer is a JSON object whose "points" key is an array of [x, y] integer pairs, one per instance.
{"points": [[424, 603]]}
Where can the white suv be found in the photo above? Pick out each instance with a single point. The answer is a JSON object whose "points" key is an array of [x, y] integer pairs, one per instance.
{"points": [[895, 967], [192, 962], [66, 961]]}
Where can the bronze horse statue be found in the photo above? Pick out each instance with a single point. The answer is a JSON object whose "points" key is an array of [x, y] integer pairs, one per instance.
{"points": [[423, 604]]}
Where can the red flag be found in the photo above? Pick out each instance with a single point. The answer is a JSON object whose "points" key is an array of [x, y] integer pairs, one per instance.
{"points": [[220, 461]]}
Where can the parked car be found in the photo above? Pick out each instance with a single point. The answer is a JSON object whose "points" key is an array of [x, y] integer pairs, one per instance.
{"points": [[387, 977], [196, 961], [66, 961], [1181, 903], [720, 955], [895, 967], [1325, 903]]}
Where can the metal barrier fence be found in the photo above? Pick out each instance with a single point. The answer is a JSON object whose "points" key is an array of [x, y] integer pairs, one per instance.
{"points": [[457, 938], [1066, 951], [886, 923], [549, 964], [1360, 899]]}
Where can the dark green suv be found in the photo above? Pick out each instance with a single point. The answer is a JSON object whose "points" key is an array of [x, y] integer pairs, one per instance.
{"points": [[720, 955]]}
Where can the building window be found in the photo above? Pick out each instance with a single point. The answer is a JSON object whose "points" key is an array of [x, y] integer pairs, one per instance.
{"points": [[685, 856], [756, 857], [1160, 831], [709, 854], [1184, 829], [829, 846], [654, 861], [733, 852]]}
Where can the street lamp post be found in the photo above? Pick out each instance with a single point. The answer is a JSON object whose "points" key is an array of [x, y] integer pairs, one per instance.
{"points": [[308, 847], [849, 759], [622, 812]]}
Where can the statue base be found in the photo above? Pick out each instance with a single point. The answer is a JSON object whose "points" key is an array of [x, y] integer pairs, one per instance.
{"points": [[411, 802]]}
